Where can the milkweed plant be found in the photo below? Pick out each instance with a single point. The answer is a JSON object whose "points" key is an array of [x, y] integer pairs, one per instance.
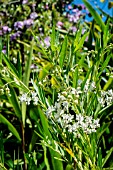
{"points": [[56, 94]]}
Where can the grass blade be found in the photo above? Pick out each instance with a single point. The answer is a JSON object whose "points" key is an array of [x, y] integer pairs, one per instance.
{"points": [[107, 156], [81, 42], [10, 126], [94, 14], [14, 102], [10, 65], [26, 80], [63, 52]]}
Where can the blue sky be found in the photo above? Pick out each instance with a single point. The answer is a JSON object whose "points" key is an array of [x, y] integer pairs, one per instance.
{"points": [[103, 6]]}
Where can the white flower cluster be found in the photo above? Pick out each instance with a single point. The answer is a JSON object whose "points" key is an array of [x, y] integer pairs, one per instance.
{"points": [[89, 86], [72, 123], [28, 97], [106, 98], [86, 123]]}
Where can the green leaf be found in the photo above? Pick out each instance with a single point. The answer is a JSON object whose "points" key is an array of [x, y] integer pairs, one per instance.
{"points": [[2, 152], [10, 126], [7, 46], [19, 67], [106, 34], [81, 42], [2, 167], [26, 80], [107, 156], [63, 52], [108, 83], [75, 78], [45, 71], [69, 167], [102, 129], [10, 65], [104, 64], [24, 107], [0, 50], [14, 102], [78, 35], [33, 141], [86, 78], [53, 38], [27, 66], [99, 160], [45, 158], [94, 14]]}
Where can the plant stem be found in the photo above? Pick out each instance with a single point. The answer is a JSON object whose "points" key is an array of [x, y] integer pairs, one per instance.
{"points": [[23, 146]]}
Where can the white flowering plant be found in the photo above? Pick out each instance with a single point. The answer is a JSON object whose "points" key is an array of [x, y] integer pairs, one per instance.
{"points": [[56, 106]]}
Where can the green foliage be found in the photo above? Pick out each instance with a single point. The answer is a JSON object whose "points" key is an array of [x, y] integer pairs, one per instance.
{"points": [[56, 99]]}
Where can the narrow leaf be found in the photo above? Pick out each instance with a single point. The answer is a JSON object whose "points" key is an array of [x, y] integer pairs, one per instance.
{"points": [[53, 38], [10, 65], [0, 50], [19, 67], [57, 165], [104, 64], [10, 126], [107, 156], [81, 42], [27, 67], [63, 52], [14, 102], [45, 70], [94, 14]]}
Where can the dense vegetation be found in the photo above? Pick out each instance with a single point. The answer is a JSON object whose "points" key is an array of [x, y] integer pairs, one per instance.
{"points": [[56, 95]]}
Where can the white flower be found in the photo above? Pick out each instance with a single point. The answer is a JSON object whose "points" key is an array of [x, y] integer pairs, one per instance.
{"points": [[93, 86], [66, 105], [88, 119], [101, 100], [35, 100], [75, 127], [28, 100], [79, 118], [49, 111], [33, 94], [57, 105], [61, 97], [23, 98], [96, 123]]}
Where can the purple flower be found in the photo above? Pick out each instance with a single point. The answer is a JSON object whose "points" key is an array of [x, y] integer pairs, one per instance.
{"points": [[73, 29], [18, 24], [33, 15], [73, 18], [1, 32], [4, 50], [83, 31], [75, 10], [47, 6], [59, 24], [6, 29], [24, 1], [47, 41], [83, 6], [15, 35], [28, 23], [70, 7]]}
